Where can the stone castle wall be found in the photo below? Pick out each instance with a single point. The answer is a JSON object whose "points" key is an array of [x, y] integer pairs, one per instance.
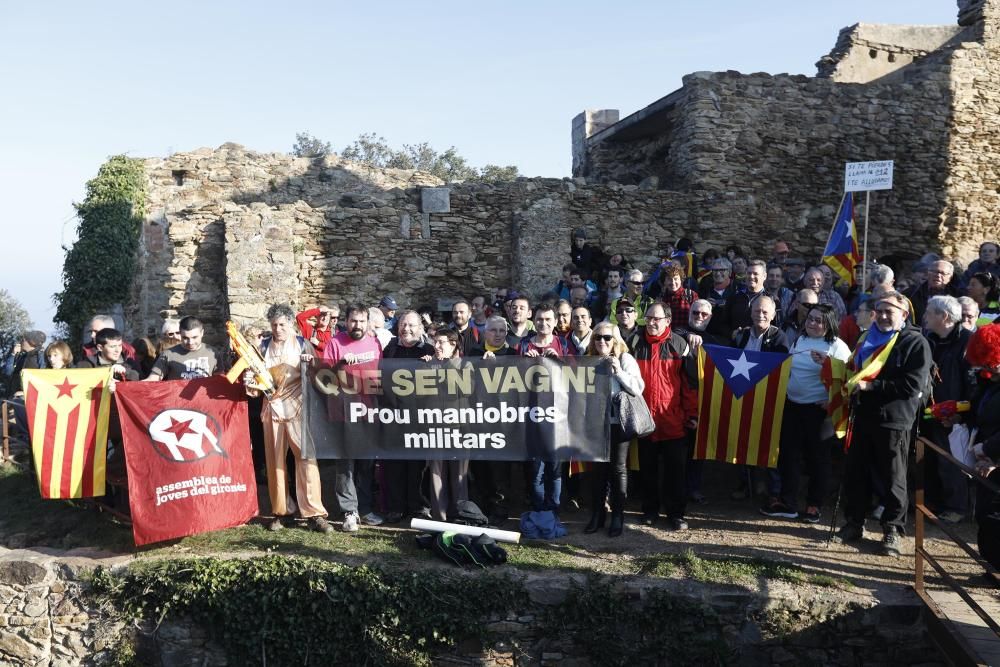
{"points": [[728, 158]]}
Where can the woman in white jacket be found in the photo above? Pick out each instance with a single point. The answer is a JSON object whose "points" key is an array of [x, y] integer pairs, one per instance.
{"points": [[607, 343]]}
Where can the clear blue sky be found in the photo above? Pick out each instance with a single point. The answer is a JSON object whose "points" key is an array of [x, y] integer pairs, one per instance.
{"points": [[499, 81]]}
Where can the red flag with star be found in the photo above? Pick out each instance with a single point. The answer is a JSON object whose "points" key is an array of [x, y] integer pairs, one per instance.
{"points": [[187, 448], [68, 413]]}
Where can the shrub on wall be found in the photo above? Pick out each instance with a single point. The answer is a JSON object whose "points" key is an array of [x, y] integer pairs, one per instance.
{"points": [[100, 267]]}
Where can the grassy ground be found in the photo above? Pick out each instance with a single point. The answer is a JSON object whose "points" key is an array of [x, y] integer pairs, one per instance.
{"points": [[30, 521]]}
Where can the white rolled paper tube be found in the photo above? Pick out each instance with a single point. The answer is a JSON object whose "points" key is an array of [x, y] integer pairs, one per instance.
{"points": [[442, 526]]}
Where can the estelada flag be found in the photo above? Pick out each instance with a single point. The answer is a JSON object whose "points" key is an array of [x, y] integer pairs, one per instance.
{"points": [[68, 414], [741, 400], [841, 253], [187, 448], [840, 378]]}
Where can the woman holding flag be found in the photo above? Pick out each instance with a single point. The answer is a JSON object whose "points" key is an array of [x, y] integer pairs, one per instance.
{"points": [[804, 417]]}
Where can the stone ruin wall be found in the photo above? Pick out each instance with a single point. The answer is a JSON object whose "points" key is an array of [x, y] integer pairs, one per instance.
{"points": [[743, 159], [330, 232], [782, 140]]}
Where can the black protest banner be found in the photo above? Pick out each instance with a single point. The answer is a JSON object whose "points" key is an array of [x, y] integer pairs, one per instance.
{"points": [[502, 409]]}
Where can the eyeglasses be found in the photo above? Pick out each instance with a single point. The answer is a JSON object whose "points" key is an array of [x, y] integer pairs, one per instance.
{"points": [[172, 334], [626, 310], [651, 318], [636, 282], [607, 338], [700, 313]]}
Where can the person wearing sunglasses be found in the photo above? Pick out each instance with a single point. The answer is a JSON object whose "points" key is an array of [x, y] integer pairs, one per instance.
{"points": [[606, 343], [634, 295]]}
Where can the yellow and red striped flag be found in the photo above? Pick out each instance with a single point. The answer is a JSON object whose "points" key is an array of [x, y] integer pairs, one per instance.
{"points": [[841, 253], [741, 400], [834, 377], [68, 412], [840, 378]]}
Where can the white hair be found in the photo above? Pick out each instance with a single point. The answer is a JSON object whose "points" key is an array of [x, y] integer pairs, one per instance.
{"points": [[946, 305]]}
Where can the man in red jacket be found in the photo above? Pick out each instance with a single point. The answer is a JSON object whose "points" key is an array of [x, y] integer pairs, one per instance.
{"points": [[673, 403]]}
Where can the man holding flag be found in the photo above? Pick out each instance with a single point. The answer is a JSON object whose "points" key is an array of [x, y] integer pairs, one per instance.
{"points": [[890, 374]]}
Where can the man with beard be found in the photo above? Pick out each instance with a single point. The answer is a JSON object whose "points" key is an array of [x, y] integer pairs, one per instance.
{"points": [[469, 340], [403, 478], [357, 351], [479, 313], [283, 353], [601, 302], [519, 324], [564, 316]]}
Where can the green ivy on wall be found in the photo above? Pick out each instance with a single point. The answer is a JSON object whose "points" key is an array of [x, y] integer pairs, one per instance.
{"points": [[100, 267], [299, 610]]}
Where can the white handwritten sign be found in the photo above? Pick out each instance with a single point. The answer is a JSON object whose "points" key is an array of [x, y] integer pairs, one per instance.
{"points": [[863, 176]]}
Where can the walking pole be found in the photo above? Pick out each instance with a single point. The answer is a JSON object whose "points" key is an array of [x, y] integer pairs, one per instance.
{"points": [[840, 484]]}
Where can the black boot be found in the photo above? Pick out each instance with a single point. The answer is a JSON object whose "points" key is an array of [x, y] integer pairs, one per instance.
{"points": [[617, 524], [596, 520]]}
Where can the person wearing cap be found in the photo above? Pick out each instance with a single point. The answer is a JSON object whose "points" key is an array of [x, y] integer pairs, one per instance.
{"points": [[625, 317], [780, 253], [29, 353], [389, 307], [884, 407], [633, 292]]}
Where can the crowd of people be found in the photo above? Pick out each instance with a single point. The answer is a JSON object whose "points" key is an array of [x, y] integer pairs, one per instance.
{"points": [[646, 324]]}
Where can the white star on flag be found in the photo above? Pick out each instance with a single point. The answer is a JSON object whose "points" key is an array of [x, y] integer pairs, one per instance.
{"points": [[741, 366]]}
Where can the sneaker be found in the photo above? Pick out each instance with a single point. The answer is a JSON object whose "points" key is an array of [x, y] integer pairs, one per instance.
{"points": [[677, 523], [811, 515], [948, 516], [351, 520], [275, 524], [892, 541], [777, 509], [372, 519], [849, 532], [320, 524]]}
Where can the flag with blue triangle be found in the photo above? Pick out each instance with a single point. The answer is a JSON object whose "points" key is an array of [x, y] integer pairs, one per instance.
{"points": [[841, 253], [741, 401]]}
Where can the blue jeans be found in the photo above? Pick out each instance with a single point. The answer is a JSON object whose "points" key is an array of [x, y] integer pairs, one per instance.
{"points": [[546, 485]]}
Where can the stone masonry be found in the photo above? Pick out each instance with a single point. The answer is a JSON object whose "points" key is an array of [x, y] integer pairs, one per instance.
{"points": [[729, 158]]}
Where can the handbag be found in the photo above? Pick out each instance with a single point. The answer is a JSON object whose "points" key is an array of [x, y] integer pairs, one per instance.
{"points": [[633, 414]]}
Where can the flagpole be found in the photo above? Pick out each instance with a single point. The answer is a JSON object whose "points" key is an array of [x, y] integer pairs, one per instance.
{"points": [[864, 257], [833, 227]]}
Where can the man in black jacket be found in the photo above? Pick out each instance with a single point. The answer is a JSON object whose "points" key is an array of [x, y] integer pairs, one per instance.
{"points": [[884, 408], [948, 487]]}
